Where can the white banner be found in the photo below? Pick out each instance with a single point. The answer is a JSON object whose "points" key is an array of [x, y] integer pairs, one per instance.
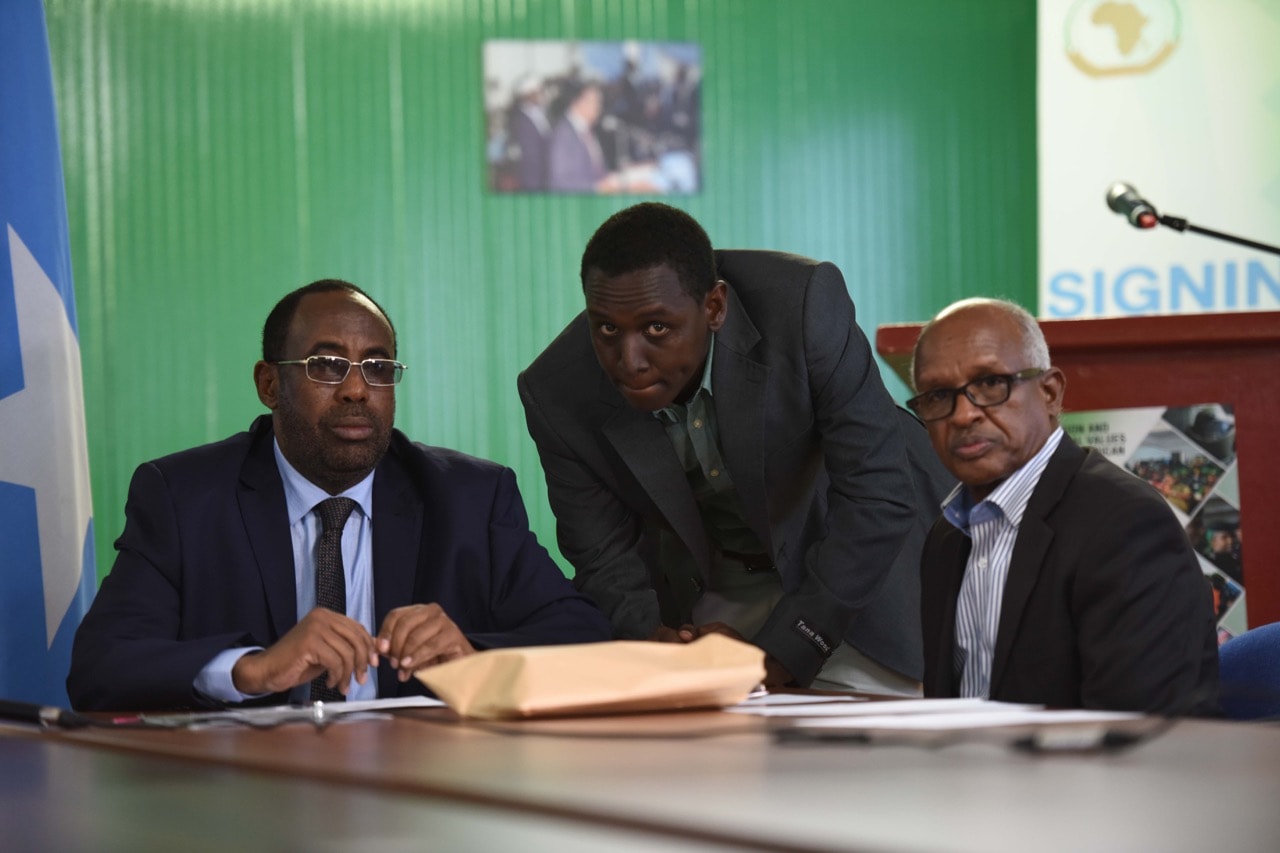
{"points": [[1181, 99]]}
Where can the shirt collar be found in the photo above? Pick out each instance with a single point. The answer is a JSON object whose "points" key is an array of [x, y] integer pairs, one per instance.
{"points": [[672, 413], [578, 123], [1009, 498], [301, 495]]}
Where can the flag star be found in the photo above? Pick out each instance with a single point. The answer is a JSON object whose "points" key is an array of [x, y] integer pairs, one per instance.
{"points": [[44, 431]]}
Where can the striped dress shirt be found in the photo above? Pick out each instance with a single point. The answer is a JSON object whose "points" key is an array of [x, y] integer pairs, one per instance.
{"points": [[992, 524]]}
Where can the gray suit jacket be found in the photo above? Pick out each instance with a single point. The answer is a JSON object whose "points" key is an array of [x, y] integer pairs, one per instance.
{"points": [[1104, 606], [838, 484], [569, 164]]}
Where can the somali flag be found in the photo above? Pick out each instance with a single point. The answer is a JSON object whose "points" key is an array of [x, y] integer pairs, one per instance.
{"points": [[47, 575]]}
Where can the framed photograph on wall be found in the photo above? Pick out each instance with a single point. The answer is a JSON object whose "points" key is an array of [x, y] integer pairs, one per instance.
{"points": [[592, 117]]}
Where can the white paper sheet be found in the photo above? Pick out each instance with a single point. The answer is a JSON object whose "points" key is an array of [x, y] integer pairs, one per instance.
{"points": [[987, 718], [318, 713], [843, 706]]}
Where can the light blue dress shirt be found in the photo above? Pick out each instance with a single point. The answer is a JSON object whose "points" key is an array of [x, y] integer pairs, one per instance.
{"points": [[301, 496]]}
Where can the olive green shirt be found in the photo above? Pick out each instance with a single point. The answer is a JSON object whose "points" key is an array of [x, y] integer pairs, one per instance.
{"points": [[693, 431]]}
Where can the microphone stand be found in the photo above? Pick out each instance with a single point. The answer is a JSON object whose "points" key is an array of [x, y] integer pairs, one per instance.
{"points": [[1177, 223]]}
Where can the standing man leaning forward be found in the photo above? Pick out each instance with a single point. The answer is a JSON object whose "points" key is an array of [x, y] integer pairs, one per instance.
{"points": [[722, 456], [1055, 576], [213, 596]]}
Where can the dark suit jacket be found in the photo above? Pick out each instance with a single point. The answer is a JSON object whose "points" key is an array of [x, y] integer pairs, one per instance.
{"points": [[825, 466], [569, 164], [1104, 606], [529, 151], [205, 564]]}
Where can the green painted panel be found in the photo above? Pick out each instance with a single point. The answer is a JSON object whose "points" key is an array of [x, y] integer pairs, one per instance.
{"points": [[221, 152]]}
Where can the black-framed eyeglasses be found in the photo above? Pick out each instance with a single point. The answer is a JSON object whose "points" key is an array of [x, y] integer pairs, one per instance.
{"points": [[982, 392], [333, 369]]}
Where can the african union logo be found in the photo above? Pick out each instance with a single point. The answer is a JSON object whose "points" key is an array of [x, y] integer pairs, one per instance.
{"points": [[1106, 38]]}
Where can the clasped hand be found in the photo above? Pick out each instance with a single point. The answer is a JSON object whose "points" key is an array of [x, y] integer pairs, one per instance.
{"points": [[775, 674], [323, 641]]}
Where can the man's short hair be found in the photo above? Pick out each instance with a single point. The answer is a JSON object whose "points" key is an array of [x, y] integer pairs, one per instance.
{"points": [[647, 235], [1035, 350], [276, 329]]}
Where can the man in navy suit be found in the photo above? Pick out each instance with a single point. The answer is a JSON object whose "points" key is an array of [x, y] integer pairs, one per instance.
{"points": [[213, 597]]}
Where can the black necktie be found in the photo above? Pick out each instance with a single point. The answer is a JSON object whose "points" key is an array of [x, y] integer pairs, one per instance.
{"points": [[331, 585]]}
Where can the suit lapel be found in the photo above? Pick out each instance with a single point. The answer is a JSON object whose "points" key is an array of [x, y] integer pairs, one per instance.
{"points": [[398, 511], [1035, 535], [640, 440], [266, 521], [397, 534], [738, 385], [955, 548]]}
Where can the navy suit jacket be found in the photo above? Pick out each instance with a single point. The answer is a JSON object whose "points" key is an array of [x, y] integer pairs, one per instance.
{"points": [[838, 484], [530, 151], [205, 564], [1104, 605]]}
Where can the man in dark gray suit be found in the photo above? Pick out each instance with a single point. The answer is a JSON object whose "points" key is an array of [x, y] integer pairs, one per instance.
{"points": [[722, 456], [529, 136]]}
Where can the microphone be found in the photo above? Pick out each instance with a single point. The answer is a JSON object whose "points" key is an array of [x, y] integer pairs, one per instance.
{"points": [[1124, 199]]}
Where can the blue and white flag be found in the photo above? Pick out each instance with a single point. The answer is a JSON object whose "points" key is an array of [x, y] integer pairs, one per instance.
{"points": [[47, 575]]}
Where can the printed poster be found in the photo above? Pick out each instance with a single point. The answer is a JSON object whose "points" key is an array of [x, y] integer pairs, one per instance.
{"points": [[1188, 454]]}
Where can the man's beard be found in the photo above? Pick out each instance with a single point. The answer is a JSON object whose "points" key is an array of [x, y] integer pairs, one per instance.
{"points": [[325, 459]]}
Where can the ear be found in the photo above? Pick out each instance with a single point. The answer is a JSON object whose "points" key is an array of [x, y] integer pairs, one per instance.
{"points": [[267, 379], [1053, 385], [715, 305]]}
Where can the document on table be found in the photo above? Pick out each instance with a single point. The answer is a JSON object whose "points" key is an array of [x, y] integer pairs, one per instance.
{"points": [[798, 705], [984, 715], [794, 704], [318, 713], [856, 712]]}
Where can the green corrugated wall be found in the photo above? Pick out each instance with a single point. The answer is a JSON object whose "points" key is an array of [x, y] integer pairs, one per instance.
{"points": [[219, 153]]}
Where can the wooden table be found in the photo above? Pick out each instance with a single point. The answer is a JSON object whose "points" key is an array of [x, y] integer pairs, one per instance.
{"points": [[695, 781]]}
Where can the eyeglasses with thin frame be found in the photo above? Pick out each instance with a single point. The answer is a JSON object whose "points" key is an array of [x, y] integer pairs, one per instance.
{"points": [[983, 392], [333, 369]]}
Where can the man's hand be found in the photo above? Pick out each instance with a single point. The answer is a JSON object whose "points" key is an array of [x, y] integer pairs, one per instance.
{"points": [[420, 635], [322, 641], [683, 634], [688, 633], [720, 628], [775, 674]]}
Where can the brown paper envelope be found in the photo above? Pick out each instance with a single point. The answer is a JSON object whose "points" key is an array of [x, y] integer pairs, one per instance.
{"points": [[597, 678]]}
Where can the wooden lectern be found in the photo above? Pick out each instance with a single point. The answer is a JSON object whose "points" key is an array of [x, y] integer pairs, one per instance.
{"points": [[1181, 360]]}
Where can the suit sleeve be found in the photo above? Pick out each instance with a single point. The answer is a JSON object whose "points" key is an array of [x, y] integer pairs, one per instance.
{"points": [[531, 602], [1143, 611], [596, 532], [127, 653], [870, 501]]}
